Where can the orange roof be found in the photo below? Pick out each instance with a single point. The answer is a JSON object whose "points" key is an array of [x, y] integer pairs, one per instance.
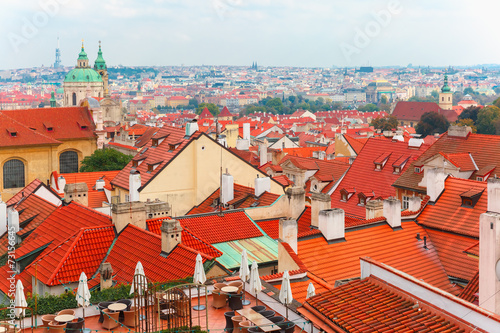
{"points": [[225, 112], [303, 151], [464, 161], [400, 249], [471, 291], [283, 180], [355, 144], [447, 213], [299, 288], [26, 191], [373, 305]]}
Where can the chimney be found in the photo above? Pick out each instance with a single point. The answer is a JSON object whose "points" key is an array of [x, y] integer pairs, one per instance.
{"points": [[319, 202], [392, 212], [157, 208], [227, 188], [129, 212], [489, 257], [78, 192], [263, 152], [332, 224], [106, 273], [288, 230], [3, 216], [435, 183], [494, 195], [459, 131], [191, 128], [134, 182], [99, 184], [374, 209], [262, 185], [61, 183], [13, 219], [171, 235], [414, 204], [246, 132], [296, 201], [242, 144]]}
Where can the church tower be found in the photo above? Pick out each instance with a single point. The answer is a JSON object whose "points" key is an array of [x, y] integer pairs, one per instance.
{"points": [[446, 96], [102, 69]]}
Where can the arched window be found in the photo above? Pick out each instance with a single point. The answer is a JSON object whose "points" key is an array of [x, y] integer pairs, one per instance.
{"points": [[68, 162], [74, 98], [13, 174]]}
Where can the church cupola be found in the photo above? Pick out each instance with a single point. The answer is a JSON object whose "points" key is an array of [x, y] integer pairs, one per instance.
{"points": [[99, 64], [83, 60], [446, 88], [446, 96], [53, 103]]}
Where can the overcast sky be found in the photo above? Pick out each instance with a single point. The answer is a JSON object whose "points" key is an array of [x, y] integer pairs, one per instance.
{"points": [[237, 32]]}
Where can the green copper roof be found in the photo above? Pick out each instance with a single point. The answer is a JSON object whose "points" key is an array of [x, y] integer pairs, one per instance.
{"points": [[83, 75], [261, 249], [52, 100], [82, 55], [445, 88], [99, 62]]}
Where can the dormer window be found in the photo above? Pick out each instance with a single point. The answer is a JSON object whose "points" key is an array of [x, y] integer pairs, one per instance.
{"points": [[479, 179], [343, 196], [171, 148], [135, 164], [12, 132], [154, 143], [396, 170], [471, 197], [418, 169], [362, 201]]}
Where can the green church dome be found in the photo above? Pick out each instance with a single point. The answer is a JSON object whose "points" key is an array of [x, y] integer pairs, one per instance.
{"points": [[83, 75], [99, 62], [446, 88]]}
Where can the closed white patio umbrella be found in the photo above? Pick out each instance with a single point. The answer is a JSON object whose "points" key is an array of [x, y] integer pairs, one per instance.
{"points": [[139, 285], [20, 299], [83, 293], [311, 291], [199, 278], [255, 284], [244, 274], [286, 291]]}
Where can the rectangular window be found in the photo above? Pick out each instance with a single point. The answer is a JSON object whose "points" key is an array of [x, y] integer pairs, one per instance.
{"points": [[479, 179], [406, 202], [127, 198]]}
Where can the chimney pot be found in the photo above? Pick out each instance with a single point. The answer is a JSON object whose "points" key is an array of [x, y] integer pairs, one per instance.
{"points": [[227, 189], [171, 235], [262, 185], [392, 212], [332, 224], [288, 230], [134, 185]]}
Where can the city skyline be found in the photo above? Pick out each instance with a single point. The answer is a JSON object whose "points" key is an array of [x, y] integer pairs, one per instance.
{"points": [[234, 32]]}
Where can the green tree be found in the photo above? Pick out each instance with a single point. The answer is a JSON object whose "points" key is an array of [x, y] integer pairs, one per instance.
{"points": [[368, 108], [432, 122], [383, 99], [467, 122], [275, 105], [496, 102], [469, 91], [385, 124], [193, 102], [214, 109], [337, 106], [105, 160], [292, 99], [487, 120], [470, 113]]}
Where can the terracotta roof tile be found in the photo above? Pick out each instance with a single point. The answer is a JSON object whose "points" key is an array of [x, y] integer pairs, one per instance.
{"points": [[471, 291], [27, 190]]}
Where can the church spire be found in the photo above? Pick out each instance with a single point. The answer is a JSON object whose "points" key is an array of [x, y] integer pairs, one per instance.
{"points": [[445, 88], [99, 62], [83, 60]]}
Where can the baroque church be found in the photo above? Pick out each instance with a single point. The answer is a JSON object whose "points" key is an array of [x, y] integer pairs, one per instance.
{"points": [[84, 82]]}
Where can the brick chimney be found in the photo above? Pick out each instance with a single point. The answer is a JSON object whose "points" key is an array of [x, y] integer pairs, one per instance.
{"points": [[435, 183], [288, 230], [489, 261], [332, 224], [392, 212], [374, 208], [78, 192], [494, 195], [129, 212], [134, 183], [171, 235], [296, 201], [262, 184], [227, 188], [319, 202]]}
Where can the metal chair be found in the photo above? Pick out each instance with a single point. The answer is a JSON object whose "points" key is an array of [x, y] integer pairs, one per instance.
{"points": [[258, 308]]}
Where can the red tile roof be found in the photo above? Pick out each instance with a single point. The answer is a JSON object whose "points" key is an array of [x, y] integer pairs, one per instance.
{"points": [[414, 111], [327, 171], [447, 213], [464, 161], [225, 112], [220, 228], [26, 191], [81, 252], [400, 249], [173, 135], [124, 256], [373, 305], [247, 156], [485, 150], [244, 197], [471, 291], [303, 151], [363, 176], [283, 180], [270, 227], [299, 288], [355, 144], [205, 114]]}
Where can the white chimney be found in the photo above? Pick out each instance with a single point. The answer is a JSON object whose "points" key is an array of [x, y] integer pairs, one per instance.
{"points": [[263, 152], [414, 204], [246, 131], [3, 217], [191, 128], [319, 202], [392, 212], [489, 261], [134, 184], [61, 183], [242, 144], [262, 185], [99, 184], [288, 230], [332, 224], [435, 183], [227, 188], [494, 195], [13, 219]]}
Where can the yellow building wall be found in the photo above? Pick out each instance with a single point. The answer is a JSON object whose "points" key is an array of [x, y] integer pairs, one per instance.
{"points": [[342, 148], [40, 161], [232, 135], [195, 174]]}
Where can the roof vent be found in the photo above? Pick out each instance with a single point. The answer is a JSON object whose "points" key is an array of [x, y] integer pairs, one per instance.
{"points": [[12, 132]]}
